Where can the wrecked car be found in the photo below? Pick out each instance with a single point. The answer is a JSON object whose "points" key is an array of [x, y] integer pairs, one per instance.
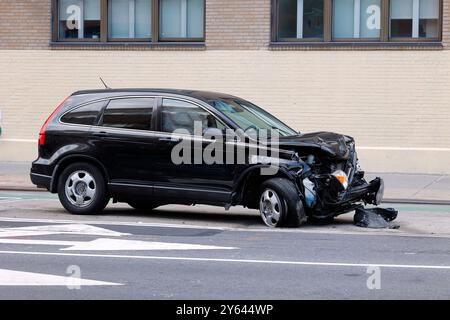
{"points": [[119, 144]]}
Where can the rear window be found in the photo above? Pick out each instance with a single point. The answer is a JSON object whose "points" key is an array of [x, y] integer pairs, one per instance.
{"points": [[86, 115], [132, 113]]}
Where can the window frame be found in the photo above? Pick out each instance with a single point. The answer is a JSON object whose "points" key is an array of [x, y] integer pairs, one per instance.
{"points": [[104, 34], [384, 38], [159, 110], [100, 120]]}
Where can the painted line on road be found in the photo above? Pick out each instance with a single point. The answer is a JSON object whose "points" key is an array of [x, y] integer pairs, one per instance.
{"points": [[364, 232], [224, 260]]}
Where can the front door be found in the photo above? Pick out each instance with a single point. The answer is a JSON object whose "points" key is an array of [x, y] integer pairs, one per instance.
{"points": [[184, 122]]}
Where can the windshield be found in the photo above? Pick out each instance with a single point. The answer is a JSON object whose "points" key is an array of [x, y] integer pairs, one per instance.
{"points": [[247, 115]]}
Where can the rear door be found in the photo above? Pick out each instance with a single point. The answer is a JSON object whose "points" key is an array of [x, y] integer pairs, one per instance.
{"points": [[125, 141]]}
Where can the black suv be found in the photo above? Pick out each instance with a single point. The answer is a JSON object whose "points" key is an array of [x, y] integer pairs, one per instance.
{"points": [[119, 144]]}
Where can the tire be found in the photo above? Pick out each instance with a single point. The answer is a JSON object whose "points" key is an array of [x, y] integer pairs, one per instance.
{"points": [[280, 205], [82, 189], [143, 205]]}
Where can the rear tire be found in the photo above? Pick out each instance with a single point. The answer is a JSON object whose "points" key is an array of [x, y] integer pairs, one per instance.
{"points": [[280, 205], [82, 189]]}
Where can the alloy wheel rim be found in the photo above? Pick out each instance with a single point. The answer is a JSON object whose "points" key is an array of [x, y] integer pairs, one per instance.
{"points": [[270, 207], [80, 188]]}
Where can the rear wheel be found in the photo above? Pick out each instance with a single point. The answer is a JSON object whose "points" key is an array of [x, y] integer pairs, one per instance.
{"points": [[82, 189], [280, 205]]}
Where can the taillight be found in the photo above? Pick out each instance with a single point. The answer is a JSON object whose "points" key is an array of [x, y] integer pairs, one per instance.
{"points": [[44, 126]]}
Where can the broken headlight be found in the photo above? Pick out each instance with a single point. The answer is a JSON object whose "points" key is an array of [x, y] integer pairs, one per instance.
{"points": [[342, 177]]}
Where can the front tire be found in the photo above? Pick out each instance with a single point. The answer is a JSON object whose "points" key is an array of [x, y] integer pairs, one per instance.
{"points": [[82, 189], [280, 205]]}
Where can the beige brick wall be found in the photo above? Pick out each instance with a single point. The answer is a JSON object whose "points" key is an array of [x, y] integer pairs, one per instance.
{"points": [[395, 103], [232, 24], [24, 24]]}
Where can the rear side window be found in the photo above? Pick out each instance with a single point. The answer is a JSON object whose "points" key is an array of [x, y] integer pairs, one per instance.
{"points": [[133, 113], [86, 115]]}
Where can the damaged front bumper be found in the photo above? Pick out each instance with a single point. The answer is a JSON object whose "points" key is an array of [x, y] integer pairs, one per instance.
{"points": [[335, 202]]}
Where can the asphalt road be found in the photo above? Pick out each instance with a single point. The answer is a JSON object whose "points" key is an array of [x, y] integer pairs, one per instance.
{"points": [[204, 253]]}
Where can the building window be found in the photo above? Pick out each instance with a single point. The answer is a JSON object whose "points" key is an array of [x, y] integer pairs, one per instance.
{"points": [[181, 19], [300, 19], [128, 20], [79, 19], [356, 20], [414, 19]]}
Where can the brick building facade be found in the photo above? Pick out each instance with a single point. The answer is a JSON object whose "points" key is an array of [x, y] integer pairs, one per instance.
{"points": [[393, 96]]}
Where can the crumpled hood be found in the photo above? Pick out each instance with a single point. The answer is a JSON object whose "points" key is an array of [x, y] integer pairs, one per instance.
{"points": [[334, 144]]}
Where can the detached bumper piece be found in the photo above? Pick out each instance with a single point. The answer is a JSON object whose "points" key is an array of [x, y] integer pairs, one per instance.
{"points": [[371, 193], [375, 218]]}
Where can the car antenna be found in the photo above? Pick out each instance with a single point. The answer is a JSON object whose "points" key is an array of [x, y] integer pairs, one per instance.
{"points": [[106, 86]]}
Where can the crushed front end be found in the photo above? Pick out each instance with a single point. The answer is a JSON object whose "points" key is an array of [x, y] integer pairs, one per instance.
{"points": [[332, 182]]}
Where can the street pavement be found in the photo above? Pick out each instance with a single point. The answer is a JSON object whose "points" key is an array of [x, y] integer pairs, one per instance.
{"points": [[178, 252]]}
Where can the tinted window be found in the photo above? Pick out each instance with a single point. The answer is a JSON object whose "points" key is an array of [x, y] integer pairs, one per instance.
{"points": [[84, 115], [135, 113], [178, 114]]}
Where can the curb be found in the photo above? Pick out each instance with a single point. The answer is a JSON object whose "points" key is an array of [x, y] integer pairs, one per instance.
{"points": [[387, 200]]}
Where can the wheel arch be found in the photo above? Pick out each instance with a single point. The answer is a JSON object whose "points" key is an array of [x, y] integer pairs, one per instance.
{"points": [[70, 159], [251, 179]]}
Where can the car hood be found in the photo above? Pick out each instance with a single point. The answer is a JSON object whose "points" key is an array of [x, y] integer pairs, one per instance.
{"points": [[332, 144]]}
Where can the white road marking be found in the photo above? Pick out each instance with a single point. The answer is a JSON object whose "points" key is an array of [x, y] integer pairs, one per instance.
{"points": [[19, 278], [363, 232], [225, 260], [82, 229], [114, 245]]}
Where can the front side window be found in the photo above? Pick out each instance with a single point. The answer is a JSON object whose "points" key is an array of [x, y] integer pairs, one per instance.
{"points": [[129, 19], [181, 115], [132, 113], [300, 19], [248, 116], [181, 19], [356, 19], [79, 19], [414, 18]]}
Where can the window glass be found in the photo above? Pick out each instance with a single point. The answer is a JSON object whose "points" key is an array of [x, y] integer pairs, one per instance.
{"points": [[356, 19], [301, 19], [86, 115], [129, 19], [181, 18], [247, 115], [414, 18], [429, 19], [133, 113], [178, 115], [79, 19]]}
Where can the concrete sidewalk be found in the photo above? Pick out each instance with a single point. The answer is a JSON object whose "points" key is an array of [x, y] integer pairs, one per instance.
{"points": [[399, 186]]}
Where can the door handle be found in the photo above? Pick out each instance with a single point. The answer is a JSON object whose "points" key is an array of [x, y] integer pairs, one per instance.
{"points": [[167, 139]]}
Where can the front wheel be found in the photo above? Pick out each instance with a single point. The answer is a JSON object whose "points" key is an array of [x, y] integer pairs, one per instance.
{"points": [[280, 205], [82, 189]]}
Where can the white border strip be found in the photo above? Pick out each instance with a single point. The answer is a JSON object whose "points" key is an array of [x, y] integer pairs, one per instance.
{"points": [[281, 262]]}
